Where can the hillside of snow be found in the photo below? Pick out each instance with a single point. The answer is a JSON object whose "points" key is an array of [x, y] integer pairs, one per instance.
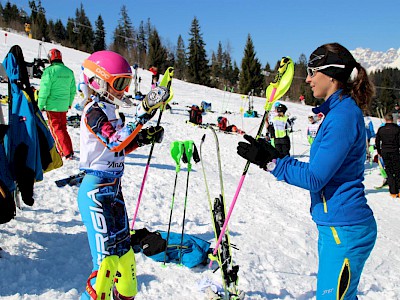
{"points": [[45, 250]]}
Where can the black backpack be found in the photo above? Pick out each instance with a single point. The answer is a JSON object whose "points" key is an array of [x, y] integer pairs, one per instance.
{"points": [[195, 115]]}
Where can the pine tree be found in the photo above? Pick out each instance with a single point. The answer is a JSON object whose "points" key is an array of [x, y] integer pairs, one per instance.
{"points": [[386, 81], [124, 37], [230, 74], [217, 60], [72, 36], [84, 33], [141, 45], [58, 32], [198, 69], [157, 54], [11, 16], [250, 75], [180, 61], [39, 25], [302, 88], [214, 71], [99, 35]]}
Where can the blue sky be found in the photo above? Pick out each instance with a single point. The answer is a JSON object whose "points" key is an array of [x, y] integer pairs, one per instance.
{"points": [[290, 29]]}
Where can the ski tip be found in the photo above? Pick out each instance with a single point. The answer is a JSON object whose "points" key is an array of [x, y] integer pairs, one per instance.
{"points": [[203, 138]]}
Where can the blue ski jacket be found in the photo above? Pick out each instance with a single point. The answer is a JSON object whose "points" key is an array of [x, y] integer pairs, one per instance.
{"points": [[335, 172]]}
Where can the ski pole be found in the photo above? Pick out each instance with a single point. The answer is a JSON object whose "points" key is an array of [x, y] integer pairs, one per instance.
{"points": [[167, 83], [188, 147], [177, 149], [190, 151], [275, 90]]}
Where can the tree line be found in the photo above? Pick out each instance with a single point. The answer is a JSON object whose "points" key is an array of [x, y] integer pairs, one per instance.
{"points": [[143, 46]]}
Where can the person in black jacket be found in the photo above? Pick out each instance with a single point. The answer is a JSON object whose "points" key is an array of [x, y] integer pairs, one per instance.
{"points": [[388, 146]]}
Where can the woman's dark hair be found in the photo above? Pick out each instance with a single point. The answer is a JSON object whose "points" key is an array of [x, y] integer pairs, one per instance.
{"points": [[360, 88]]}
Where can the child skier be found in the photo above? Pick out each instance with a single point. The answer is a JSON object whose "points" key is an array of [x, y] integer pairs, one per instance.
{"points": [[105, 140], [281, 126], [312, 129]]}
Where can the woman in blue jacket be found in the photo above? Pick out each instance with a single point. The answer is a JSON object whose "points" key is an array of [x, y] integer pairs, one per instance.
{"points": [[334, 175]]}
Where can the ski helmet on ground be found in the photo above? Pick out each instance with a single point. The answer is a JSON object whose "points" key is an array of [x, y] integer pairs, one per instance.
{"points": [[105, 69], [281, 108], [54, 54]]}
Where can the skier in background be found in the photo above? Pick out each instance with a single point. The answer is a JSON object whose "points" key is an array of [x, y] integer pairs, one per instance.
{"points": [[56, 94], [105, 140], [83, 91], [302, 99], [312, 128], [370, 132], [154, 77], [396, 113], [387, 144], [270, 126], [346, 224], [282, 125]]}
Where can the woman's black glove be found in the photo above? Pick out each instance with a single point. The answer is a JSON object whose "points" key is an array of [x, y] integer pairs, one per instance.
{"points": [[258, 152]]}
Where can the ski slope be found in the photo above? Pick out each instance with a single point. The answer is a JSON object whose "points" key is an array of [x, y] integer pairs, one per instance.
{"points": [[45, 250]]}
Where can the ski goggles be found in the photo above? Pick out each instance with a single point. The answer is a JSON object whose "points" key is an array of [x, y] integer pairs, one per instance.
{"points": [[121, 83], [118, 82], [312, 71]]}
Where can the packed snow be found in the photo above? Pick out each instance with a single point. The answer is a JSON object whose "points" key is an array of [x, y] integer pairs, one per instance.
{"points": [[45, 250]]}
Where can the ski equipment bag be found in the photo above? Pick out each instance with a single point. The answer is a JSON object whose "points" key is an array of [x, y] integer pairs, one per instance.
{"points": [[195, 115], [222, 123]]}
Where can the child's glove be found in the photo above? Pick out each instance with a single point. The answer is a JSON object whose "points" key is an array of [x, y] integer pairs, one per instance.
{"points": [[152, 134], [155, 99]]}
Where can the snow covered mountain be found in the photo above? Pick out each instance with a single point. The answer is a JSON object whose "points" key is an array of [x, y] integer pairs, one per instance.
{"points": [[377, 60]]}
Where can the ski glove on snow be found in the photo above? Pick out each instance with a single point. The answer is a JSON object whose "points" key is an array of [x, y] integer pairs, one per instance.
{"points": [[155, 98], [258, 152], [150, 134]]}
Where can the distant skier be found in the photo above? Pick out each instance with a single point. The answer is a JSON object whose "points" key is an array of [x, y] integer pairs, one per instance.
{"points": [[105, 140], [154, 77], [370, 132], [302, 99], [396, 113], [387, 144], [282, 126], [312, 128], [270, 126], [83, 91]]}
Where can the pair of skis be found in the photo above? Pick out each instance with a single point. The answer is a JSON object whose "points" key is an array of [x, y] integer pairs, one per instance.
{"points": [[275, 90], [223, 256], [181, 151]]}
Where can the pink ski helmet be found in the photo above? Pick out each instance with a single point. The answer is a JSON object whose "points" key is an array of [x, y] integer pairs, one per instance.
{"points": [[107, 68]]}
